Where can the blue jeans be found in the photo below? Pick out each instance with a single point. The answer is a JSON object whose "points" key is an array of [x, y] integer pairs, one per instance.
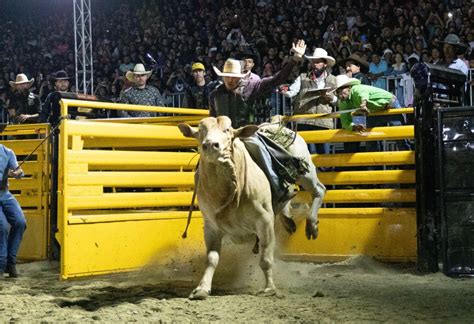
{"points": [[10, 213]]}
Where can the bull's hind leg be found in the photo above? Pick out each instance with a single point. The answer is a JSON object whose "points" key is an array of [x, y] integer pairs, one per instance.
{"points": [[286, 219], [213, 239], [267, 246], [311, 183]]}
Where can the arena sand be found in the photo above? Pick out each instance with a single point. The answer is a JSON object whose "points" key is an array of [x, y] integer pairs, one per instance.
{"points": [[359, 289]]}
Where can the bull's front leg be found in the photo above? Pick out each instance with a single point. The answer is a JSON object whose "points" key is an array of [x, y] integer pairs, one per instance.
{"points": [[267, 246], [311, 183], [213, 239]]}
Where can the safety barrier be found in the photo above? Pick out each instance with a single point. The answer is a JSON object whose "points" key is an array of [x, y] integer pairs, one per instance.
{"points": [[124, 191], [369, 210], [32, 191]]}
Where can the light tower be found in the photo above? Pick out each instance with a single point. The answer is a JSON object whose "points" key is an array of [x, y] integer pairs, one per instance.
{"points": [[83, 47]]}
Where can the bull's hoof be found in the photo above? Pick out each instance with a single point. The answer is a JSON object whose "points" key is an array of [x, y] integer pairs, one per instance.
{"points": [[312, 231], [199, 294], [267, 292], [289, 224]]}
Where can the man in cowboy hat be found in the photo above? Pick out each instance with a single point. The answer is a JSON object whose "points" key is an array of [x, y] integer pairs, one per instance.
{"points": [[197, 95], [140, 93], [309, 101], [23, 106], [236, 96], [452, 47], [355, 68], [236, 99], [50, 111], [11, 215], [367, 99]]}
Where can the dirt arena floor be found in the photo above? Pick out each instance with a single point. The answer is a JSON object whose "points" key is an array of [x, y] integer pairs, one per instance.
{"points": [[356, 290]]}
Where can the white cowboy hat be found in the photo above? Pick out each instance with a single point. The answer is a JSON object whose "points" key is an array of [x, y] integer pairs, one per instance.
{"points": [[320, 53], [139, 69], [232, 68], [21, 79], [343, 80]]}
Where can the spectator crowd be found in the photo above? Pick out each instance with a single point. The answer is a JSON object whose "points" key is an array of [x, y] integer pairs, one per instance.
{"points": [[169, 36]]}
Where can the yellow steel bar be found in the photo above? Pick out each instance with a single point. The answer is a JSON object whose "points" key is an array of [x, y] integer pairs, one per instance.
{"points": [[367, 177], [364, 196], [130, 217], [25, 129], [129, 131], [137, 143], [25, 183], [62, 193], [24, 147], [364, 212], [133, 179], [134, 158], [364, 158], [130, 200], [370, 212], [119, 106], [372, 134], [396, 111], [151, 120]]}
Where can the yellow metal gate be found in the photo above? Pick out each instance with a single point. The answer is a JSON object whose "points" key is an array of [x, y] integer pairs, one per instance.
{"points": [[124, 191], [33, 191]]}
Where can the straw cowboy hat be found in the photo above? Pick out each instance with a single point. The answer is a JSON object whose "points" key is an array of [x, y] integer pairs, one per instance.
{"points": [[139, 69], [232, 68], [21, 79], [320, 53], [343, 80]]}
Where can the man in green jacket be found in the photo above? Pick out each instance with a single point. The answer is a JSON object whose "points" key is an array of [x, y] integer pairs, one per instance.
{"points": [[366, 99]]}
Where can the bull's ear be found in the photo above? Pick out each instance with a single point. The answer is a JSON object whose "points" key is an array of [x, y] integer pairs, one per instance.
{"points": [[187, 130], [246, 131]]}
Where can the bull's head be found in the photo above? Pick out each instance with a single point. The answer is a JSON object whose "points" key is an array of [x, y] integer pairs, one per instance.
{"points": [[215, 136]]}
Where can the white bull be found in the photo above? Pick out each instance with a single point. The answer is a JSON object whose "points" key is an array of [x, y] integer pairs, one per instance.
{"points": [[235, 198]]}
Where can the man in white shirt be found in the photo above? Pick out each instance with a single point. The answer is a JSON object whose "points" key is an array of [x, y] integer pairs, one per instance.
{"points": [[310, 96], [452, 46]]}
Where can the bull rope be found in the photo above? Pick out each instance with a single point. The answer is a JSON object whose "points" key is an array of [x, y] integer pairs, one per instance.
{"points": [[191, 207]]}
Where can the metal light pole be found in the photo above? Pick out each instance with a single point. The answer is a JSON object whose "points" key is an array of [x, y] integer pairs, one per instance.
{"points": [[83, 47]]}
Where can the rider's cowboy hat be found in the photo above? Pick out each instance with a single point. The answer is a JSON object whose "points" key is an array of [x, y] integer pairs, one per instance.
{"points": [[21, 79], [343, 80], [139, 69], [320, 53], [232, 68]]}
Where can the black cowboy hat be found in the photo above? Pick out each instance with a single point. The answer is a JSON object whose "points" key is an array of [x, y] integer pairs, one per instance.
{"points": [[248, 54], [60, 75], [356, 59], [453, 39]]}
